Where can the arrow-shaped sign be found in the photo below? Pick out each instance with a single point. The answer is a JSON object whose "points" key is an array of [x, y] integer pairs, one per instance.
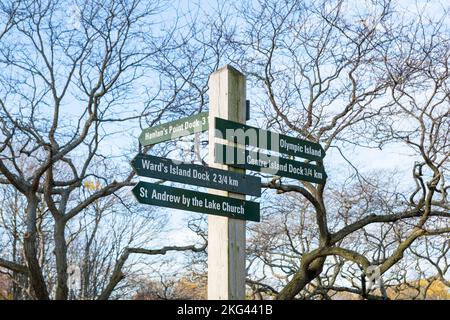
{"points": [[174, 129], [177, 198], [194, 174], [250, 136], [270, 164]]}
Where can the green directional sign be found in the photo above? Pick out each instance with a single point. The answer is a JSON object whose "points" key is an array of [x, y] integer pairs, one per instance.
{"points": [[194, 174], [177, 198], [174, 129], [271, 164], [250, 136]]}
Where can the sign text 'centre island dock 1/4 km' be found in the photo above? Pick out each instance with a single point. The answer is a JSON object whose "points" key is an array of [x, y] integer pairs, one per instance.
{"points": [[269, 164]]}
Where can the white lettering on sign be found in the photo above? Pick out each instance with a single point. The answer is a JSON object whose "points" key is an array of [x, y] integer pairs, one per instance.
{"points": [[156, 134], [257, 162], [233, 209], [143, 193], [187, 125], [197, 203], [275, 165], [291, 146], [204, 175], [192, 124], [299, 148], [186, 201], [200, 175], [180, 172], [146, 164], [165, 197], [225, 179], [317, 175], [212, 204]]}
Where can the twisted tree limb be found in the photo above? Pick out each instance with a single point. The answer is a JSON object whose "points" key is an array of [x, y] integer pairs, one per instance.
{"points": [[118, 275]]}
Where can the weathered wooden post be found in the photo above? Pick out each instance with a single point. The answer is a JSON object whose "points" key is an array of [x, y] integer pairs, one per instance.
{"points": [[226, 236]]}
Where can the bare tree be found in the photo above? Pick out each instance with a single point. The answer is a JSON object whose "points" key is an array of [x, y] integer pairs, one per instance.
{"points": [[331, 72], [335, 75], [81, 73]]}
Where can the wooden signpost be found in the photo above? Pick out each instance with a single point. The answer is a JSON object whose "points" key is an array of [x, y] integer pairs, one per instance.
{"points": [[226, 237], [224, 176]]}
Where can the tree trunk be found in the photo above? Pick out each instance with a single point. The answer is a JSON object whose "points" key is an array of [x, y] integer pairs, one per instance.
{"points": [[30, 250], [116, 277], [62, 290], [15, 233], [305, 275]]}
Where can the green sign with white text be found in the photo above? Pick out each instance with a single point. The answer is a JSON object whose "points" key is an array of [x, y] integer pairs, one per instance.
{"points": [[194, 174], [177, 198], [270, 164], [174, 129], [250, 136]]}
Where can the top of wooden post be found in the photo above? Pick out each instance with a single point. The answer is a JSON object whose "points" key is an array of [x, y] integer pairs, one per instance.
{"points": [[230, 68]]}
